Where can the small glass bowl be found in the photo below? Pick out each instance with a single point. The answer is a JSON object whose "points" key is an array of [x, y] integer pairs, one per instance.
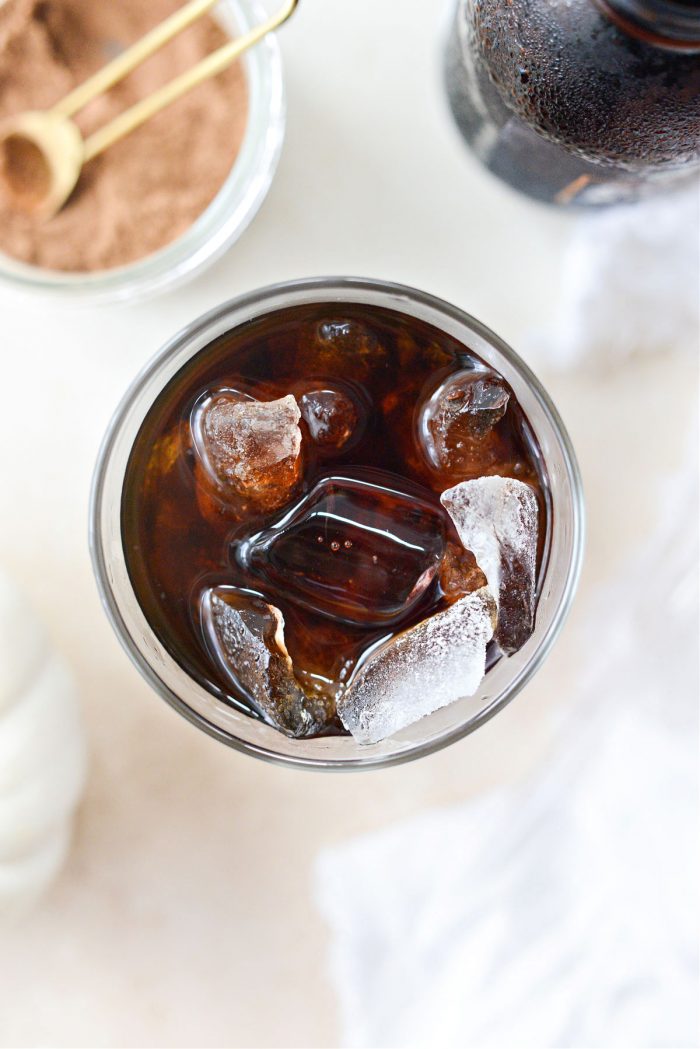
{"points": [[228, 214], [558, 576]]}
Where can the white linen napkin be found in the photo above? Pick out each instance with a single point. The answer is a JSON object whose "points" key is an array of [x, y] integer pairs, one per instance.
{"points": [[630, 285], [562, 912]]}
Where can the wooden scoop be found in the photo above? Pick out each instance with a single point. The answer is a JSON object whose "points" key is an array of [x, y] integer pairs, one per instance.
{"points": [[42, 152]]}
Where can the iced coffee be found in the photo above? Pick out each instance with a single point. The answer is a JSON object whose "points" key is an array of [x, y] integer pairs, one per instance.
{"points": [[334, 519]]}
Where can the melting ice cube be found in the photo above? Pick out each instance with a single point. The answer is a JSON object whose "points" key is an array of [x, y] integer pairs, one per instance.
{"points": [[341, 336], [459, 572], [331, 416], [456, 421], [245, 635], [341, 346], [497, 519], [440, 660], [251, 447], [354, 550]]}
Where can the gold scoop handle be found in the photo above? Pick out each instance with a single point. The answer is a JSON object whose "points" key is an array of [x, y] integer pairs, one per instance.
{"points": [[164, 96], [131, 58]]}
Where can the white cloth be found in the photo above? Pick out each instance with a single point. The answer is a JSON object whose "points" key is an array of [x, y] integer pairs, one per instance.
{"points": [[630, 285], [42, 756], [562, 912]]}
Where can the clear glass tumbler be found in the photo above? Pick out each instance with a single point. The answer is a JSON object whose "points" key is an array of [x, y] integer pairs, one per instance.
{"points": [[558, 576]]}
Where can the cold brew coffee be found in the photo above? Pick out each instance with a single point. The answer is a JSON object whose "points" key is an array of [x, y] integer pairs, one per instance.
{"points": [[335, 518]]}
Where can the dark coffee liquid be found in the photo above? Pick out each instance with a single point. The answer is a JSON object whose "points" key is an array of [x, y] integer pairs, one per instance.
{"points": [[350, 558], [565, 101]]}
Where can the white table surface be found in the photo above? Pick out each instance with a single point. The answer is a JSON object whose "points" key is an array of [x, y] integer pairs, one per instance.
{"points": [[184, 916]]}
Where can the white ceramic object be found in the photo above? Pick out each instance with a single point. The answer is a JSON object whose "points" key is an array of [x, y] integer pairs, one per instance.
{"points": [[42, 755]]}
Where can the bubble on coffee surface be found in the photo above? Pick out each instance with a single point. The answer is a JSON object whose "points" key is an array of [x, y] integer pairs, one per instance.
{"points": [[245, 637], [360, 551], [250, 448], [455, 424], [438, 661], [497, 519], [332, 417]]}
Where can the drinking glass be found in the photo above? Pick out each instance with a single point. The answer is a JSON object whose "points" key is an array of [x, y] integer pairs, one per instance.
{"points": [[558, 574]]}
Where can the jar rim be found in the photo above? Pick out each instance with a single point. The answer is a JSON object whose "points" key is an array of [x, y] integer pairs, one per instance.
{"points": [[671, 24]]}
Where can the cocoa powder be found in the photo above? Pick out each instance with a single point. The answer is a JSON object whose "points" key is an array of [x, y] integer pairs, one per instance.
{"points": [[148, 189]]}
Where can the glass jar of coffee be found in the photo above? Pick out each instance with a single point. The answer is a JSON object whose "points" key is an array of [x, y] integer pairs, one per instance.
{"points": [[579, 101]]}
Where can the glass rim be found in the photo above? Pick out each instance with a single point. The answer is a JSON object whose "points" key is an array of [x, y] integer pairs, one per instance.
{"points": [[299, 289]]}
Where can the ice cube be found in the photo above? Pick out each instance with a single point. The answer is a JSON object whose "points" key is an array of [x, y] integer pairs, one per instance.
{"points": [[251, 448], [165, 454], [455, 424], [341, 346], [459, 572], [497, 519], [347, 336], [358, 551], [245, 636], [331, 416], [440, 660]]}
